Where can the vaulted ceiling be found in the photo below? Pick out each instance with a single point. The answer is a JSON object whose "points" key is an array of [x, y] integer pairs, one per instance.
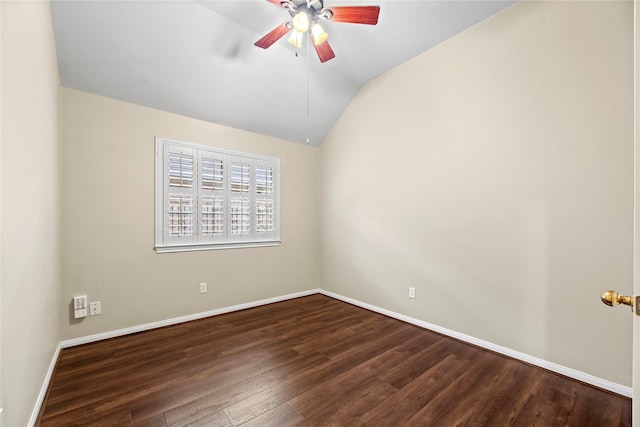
{"points": [[197, 58]]}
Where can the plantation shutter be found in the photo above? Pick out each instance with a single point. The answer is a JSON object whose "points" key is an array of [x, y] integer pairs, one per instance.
{"points": [[180, 195], [211, 190], [240, 184], [264, 199]]}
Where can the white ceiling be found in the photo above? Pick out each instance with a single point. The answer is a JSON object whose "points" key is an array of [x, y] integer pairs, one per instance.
{"points": [[197, 58]]}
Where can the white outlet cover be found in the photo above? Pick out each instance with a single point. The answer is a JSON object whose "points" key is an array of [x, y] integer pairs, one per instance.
{"points": [[95, 308]]}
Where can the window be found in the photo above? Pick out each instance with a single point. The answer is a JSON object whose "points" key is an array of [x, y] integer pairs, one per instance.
{"points": [[209, 198]]}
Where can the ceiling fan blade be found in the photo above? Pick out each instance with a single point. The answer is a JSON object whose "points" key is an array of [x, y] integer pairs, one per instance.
{"points": [[272, 37], [324, 51], [356, 14]]}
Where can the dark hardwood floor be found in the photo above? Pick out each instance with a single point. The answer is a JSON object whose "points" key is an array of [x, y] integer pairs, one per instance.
{"points": [[312, 361]]}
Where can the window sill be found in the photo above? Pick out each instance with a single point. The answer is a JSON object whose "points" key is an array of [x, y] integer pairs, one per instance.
{"points": [[209, 247]]}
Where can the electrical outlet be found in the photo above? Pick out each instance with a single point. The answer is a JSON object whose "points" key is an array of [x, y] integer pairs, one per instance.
{"points": [[203, 288], [95, 308], [412, 292]]}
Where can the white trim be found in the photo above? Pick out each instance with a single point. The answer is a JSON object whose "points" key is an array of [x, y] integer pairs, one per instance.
{"points": [[168, 322], [200, 146], [554, 367], [196, 247], [44, 388]]}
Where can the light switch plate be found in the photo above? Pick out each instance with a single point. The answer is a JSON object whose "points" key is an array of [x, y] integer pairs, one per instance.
{"points": [[80, 302], [80, 306]]}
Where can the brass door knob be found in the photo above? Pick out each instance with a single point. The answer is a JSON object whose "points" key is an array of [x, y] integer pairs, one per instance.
{"points": [[612, 298]]}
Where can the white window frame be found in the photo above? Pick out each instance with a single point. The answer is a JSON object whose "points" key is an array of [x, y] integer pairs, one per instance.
{"points": [[220, 235]]}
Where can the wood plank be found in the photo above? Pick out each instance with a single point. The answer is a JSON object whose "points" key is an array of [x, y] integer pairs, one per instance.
{"points": [[507, 397], [281, 416], [215, 419], [90, 416], [490, 380], [322, 373], [238, 391], [350, 405], [410, 399]]}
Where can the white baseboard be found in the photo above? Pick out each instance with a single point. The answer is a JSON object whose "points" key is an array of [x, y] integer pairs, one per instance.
{"points": [[554, 367], [44, 388], [168, 322]]}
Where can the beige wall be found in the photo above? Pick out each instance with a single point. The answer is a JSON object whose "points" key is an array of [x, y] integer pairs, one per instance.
{"points": [[494, 173], [30, 220], [108, 220]]}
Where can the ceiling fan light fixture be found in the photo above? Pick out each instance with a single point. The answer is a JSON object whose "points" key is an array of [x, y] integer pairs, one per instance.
{"points": [[295, 38], [305, 17], [301, 21], [319, 34]]}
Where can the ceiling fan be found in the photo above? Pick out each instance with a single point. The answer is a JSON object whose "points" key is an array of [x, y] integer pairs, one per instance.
{"points": [[306, 15]]}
